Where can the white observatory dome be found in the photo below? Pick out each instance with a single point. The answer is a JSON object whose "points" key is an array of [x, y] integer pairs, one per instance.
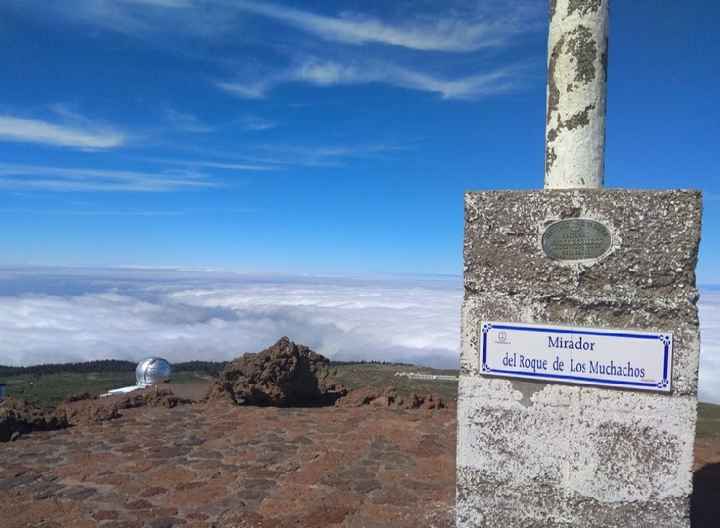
{"points": [[151, 371]]}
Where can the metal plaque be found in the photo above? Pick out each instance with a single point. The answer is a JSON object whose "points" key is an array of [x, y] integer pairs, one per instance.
{"points": [[576, 239], [586, 356]]}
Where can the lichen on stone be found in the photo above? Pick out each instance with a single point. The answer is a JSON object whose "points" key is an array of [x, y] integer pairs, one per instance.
{"points": [[585, 7], [583, 48]]}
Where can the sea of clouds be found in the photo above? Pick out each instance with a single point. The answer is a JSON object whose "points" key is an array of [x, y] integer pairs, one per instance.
{"points": [[60, 315]]}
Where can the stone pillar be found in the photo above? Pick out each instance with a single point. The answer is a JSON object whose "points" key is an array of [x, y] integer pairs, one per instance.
{"points": [[576, 94], [579, 437], [557, 454]]}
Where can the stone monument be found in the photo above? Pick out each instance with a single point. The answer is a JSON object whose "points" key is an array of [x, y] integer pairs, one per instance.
{"points": [[580, 333]]}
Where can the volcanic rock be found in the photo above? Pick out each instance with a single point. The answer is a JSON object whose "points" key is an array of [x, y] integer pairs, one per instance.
{"points": [[285, 374], [20, 417], [151, 397], [85, 409], [390, 398]]}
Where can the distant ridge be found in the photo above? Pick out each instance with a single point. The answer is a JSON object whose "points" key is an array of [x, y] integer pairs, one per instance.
{"points": [[106, 365], [118, 365]]}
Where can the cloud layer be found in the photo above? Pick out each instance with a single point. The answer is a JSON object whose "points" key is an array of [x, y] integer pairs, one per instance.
{"points": [[710, 353], [218, 316], [78, 315]]}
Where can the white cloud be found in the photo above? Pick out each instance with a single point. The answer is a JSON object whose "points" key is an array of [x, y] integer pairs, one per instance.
{"points": [[250, 89], [87, 136], [318, 155], [86, 212], [216, 165], [333, 73], [140, 18], [453, 26], [437, 33], [215, 316], [35, 177], [710, 354]]}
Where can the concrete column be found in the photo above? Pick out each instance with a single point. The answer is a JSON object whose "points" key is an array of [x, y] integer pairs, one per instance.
{"points": [[577, 94]]}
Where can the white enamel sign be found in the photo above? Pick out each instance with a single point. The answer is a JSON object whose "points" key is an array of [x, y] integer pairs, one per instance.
{"points": [[587, 356]]}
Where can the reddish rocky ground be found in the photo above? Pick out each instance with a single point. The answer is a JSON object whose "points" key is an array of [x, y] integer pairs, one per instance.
{"points": [[219, 465], [215, 464]]}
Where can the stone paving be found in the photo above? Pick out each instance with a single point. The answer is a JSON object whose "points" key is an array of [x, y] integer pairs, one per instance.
{"points": [[215, 464]]}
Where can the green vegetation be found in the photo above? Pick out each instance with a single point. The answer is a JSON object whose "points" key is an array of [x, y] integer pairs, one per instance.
{"points": [[708, 420], [48, 390], [355, 375], [106, 365]]}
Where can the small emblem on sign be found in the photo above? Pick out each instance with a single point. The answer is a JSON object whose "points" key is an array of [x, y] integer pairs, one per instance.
{"points": [[576, 239]]}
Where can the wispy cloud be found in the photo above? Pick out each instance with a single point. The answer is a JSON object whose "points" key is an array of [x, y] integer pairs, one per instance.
{"points": [[257, 124], [122, 212], [317, 155], [224, 165], [141, 18], [250, 89], [35, 177], [174, 4], [261, 157], [457, 27], [79, 212], [328, 73], [86, 136], [332, 73], [186, 122], [440, 34]]}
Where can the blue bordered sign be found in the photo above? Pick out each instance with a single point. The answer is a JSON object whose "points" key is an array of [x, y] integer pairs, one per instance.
{"points": [[587, 356]]}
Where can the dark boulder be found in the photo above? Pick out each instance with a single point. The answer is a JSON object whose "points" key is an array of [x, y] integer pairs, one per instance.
{"points": [[283, 375]]}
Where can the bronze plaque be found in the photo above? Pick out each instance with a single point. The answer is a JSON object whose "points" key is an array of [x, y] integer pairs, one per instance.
{"points": [[576, 239]]}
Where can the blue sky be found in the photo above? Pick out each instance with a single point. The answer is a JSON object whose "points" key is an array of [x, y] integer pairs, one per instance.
{"points": [[317, 136]]}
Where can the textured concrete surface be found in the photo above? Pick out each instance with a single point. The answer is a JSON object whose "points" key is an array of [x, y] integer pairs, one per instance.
{"points": [[538, 454], [577, 94]]}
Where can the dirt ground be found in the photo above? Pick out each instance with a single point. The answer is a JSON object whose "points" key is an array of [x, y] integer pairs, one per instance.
{"points": [[215, 464]]}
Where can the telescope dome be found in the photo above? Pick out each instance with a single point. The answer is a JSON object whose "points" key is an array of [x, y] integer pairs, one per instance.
{"points": [[151, 371]]}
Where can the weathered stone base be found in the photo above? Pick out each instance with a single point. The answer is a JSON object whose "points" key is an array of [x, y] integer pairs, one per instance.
{"points": [[538, 454], [546, 508]]}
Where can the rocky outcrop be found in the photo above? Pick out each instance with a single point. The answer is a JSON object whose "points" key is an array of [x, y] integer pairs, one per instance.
{"points": [[84, 409], [151, 397], [285, 374], [390, 398], [19, 417]]}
